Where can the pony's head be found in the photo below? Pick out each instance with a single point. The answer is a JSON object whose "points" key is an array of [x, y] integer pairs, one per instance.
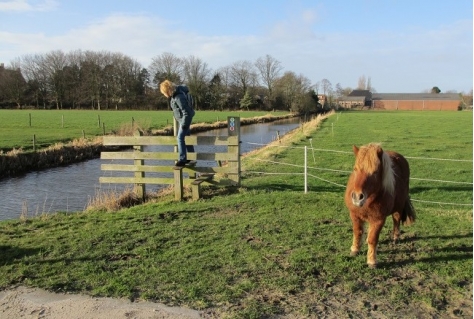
{"points": [[373, 172]]}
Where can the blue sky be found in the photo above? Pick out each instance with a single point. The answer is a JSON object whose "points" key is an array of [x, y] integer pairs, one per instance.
{"points": [[403, 46]]}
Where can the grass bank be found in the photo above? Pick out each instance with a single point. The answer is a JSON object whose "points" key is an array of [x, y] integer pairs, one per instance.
{"points": [[267, 248]]}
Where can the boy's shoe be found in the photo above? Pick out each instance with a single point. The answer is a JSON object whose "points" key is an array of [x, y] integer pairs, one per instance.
{"points": [[180, 163]]}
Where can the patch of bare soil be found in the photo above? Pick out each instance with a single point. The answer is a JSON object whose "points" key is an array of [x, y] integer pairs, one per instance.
{"points": [[22, 302], [338, 304]]}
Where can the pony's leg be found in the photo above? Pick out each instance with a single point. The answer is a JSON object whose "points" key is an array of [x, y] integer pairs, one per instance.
{"points": [[358, 231], [372, 241], [396, 226]]}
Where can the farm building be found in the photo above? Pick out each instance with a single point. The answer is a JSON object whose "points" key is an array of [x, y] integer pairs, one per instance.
{"points": [[402, 101], [416, 101], [350, 102], [357, 98]]}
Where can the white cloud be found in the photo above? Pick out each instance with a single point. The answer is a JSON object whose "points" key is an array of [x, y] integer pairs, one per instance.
{"points": [[295, 28], [387, 57], [25, 5]]}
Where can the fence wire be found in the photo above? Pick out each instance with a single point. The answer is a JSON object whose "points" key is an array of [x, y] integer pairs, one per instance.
{"points": [[348, 172]]}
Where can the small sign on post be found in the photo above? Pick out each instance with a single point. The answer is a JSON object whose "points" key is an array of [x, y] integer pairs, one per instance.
{"points": [[233, 126]]}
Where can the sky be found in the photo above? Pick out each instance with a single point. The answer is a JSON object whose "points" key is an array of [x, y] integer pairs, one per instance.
{"points": [[403, 46]]}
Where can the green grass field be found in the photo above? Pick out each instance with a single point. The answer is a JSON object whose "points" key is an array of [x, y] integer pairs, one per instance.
{"points": [[438, 146], [267, 248], [53, 126]]}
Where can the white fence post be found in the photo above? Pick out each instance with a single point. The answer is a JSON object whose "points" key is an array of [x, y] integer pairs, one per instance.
{"points": [[306, 169]]}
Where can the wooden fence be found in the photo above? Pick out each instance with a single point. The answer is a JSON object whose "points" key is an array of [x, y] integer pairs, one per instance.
{"points": [[218, 161]]}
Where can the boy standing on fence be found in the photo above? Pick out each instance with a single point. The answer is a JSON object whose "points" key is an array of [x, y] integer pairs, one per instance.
{"points": [[183, 112]]}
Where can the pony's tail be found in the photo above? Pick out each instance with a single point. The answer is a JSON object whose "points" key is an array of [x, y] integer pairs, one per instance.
{"points": [[408, 215]]}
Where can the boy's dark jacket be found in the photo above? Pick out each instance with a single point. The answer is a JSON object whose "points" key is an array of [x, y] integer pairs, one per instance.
{"points": [[182, 111]]}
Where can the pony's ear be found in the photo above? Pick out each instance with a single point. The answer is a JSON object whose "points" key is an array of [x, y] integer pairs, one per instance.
{"points": [[355, 149], [379, 152]]}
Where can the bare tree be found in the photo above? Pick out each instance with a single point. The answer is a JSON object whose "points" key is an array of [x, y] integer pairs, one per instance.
{"points": [[54, 64], [72, 76], [196, 72], [361, 83], [166, 66], [243, 75], [269, 69], [369, 84], [12, 83], [316, 87], [35, 74], [340, 91], [326, 86]]}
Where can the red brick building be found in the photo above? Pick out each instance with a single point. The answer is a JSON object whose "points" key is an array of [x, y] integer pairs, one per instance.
{"points": [[402, 101], [416, 101]]}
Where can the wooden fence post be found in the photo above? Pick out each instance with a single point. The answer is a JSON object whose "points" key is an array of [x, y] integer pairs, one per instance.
{"points": [[139, 189], [233, 129], [178, 184]]}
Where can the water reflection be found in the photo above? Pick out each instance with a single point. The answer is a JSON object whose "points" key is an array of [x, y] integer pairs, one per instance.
{"points": [[70, 188]]}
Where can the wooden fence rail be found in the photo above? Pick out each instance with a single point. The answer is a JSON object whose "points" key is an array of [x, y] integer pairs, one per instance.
{"points": [[218, 162]]}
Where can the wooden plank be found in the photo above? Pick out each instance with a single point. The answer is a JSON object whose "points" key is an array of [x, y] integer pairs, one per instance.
{"points": [[217, 157], [135, 180], [168, 169], [138, 156], [213, 170], [212, 140], [138, 140], [168, 140], [168, 156], [133, 168]]}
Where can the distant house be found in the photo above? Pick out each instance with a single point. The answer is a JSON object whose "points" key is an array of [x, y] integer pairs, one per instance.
{"points": [[402, 101], [350, 102], [322, 99], [357, 98], [416, 101]]}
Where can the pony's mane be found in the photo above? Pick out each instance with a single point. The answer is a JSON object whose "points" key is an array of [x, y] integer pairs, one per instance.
{"points": [[368, 161]]}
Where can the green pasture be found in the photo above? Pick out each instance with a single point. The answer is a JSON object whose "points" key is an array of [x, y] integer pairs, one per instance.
{"points": [[438, 147], [267, 249], [53, 126]]}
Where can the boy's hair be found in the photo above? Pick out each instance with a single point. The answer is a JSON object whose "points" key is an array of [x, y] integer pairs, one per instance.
{"points": [[167, 88]]}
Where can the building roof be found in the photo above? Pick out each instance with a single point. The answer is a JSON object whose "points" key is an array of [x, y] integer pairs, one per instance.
{"points": [[352, 98], [416, 96], [365, 93]]}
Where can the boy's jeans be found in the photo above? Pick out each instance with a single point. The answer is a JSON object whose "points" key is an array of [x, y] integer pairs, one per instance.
{"points": [[182, 147]]}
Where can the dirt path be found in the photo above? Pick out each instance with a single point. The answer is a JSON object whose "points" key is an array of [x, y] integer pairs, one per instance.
{"points": [[36, 303]]}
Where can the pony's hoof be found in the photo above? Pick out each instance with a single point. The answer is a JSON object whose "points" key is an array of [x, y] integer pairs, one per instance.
{"points": [[372, 266], [354, 253]]}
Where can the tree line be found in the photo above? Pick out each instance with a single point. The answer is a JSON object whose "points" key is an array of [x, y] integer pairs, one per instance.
{"points": [[106, 80]]}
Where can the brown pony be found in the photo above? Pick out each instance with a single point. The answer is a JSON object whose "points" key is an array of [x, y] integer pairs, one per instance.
{"points": [[377, 188]]}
